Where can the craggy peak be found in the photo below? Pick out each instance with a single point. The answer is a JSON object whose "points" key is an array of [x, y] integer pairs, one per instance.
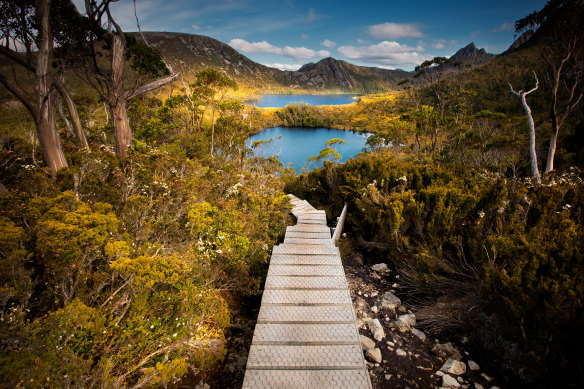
{"points": [[291, 194]]}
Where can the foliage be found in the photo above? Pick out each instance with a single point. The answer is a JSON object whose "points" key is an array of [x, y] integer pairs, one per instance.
{"points": [[469, 245]]}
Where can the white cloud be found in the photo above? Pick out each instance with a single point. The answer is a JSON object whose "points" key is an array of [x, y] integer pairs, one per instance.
{"points": [[327, 43], [438, 45], [283, 66], [395, 30], [504, 27], [195, 27], [304, 37], [311, 16], [386, 53], [265, 47], [298, 52], [362, 42], [255, 47]]}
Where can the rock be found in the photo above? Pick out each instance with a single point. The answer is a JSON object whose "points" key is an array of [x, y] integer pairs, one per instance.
{"points": [[460, 379], [478, 386], [389, 301], [202, 385], [374, 309], [404, 323], [391, 344], [380, 267], [419, 334], [446, 350], [449, 382], [401, 352], [374, 294], [452, 366], [395, 285], [366, 343], [488, 378], [402, 309], [494, 387], [439, 373], [374, 355], [376, 329], [387, 377], [473, 366]]}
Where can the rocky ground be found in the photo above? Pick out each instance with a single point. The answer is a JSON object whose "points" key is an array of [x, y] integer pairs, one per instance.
{"points": [[398, 354]]}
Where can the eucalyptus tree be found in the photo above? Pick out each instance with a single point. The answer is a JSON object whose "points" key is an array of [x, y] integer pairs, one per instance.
{"points": [[27, 41], [107, 53], [212, 86], [560, 27]]}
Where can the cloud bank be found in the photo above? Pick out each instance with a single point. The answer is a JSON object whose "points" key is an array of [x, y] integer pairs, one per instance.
{"points": [[265, 47], [387, 53]]}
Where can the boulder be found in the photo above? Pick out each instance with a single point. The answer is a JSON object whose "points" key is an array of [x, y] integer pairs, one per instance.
{"points": [[366, 343], [374, 355], [473, 366], [389, 301], [405, 322], [446, 350], [374, 309], [376, 329], [401, 352], [449, 382], [452, 366], [419, 334], [380, 267]]}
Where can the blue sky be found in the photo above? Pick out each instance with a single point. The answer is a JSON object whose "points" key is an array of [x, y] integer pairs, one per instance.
{"points": [[289, 33]]}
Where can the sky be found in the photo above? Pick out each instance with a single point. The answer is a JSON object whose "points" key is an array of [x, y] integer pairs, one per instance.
{"points": [[289, 33]]}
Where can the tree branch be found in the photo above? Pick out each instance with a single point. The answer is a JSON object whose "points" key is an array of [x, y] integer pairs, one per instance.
{"points": [[153, 85], [19, 95]]}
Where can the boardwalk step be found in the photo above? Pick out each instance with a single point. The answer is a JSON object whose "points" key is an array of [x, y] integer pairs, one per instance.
{"points": [[308, 235], [306, 314], [306, 297], [305, 334], [321, 357], [287, 282], [304, 249], [306, 270], [326, 241], [299, 259], [278, 379]]}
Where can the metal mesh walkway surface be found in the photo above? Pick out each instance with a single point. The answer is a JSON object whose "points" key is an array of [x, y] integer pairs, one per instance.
{"points": [[306, 336]]}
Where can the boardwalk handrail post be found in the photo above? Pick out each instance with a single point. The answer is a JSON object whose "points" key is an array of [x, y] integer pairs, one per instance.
{"points": [[340, 224]]}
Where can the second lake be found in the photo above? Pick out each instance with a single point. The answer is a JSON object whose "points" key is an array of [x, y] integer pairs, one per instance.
{"points": [[296, 144], [279, 101]]}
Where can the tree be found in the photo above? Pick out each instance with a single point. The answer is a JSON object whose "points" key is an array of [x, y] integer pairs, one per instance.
{"points": [[212, 86], [532, 152], [111, 81], [560, 24], [27, 23]]}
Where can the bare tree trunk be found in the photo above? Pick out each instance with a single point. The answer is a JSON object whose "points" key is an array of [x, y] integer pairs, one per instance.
{"points": [[553, 142], [45, 103], [74, 114], [117, 97], [212, 129], [532, 151]]}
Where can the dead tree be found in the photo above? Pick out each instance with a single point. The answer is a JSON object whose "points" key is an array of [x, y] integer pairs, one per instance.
{"points": [[532, 152]]}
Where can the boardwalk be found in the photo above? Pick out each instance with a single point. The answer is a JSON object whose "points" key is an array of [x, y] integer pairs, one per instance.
{"points": [[306, 336]]}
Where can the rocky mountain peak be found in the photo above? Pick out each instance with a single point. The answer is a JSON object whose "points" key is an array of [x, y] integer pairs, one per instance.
{"points": [[521, 40], [471, 55]]}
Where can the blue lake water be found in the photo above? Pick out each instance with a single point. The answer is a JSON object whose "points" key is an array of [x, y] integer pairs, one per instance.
{"points": [[296, 144], [280, 101]]}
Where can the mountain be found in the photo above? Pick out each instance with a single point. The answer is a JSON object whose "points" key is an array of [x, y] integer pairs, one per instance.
{"points": [[520, 41], [189, 53], [471, 55]]}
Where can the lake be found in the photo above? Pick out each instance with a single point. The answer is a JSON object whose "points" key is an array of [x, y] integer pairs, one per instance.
{"points": [[296, 144], [280, 101]]}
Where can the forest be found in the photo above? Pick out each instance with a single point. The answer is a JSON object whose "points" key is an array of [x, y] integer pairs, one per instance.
{"points": [[136, 223]]}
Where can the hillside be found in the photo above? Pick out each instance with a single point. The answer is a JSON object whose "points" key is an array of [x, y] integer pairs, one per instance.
{"points": [[190, 53]]}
